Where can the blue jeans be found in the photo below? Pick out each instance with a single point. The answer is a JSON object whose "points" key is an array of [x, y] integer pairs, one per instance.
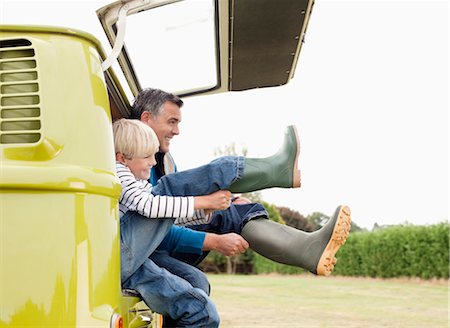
{"points": [[217, 175], [167, 285], [232, 219]]}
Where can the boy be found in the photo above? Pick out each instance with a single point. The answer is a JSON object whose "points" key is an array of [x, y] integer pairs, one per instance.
{"points": [[142, 232]]}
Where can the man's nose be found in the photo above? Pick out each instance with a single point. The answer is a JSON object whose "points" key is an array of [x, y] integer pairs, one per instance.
{"points": [[176, 130]]}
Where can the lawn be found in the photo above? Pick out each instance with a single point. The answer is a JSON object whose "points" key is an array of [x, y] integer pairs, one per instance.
{"points": [[310, 301]]}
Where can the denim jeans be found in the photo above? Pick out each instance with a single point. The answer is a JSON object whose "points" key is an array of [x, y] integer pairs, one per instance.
{"points": [[232, 219], [171, 295], [167, 285], [217, 175]]}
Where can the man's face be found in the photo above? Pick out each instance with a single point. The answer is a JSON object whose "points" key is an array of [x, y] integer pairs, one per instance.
{"points": [[165, 124]]}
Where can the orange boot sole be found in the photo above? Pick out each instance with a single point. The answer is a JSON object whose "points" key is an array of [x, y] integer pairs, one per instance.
{"points": [[338, 238]]}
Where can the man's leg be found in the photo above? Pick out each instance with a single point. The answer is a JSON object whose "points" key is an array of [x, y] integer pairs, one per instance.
{"points": [[171, 295], [283, 244], [313, 251], [238, 174], [183, 270], [204, 180], [232, 219]]}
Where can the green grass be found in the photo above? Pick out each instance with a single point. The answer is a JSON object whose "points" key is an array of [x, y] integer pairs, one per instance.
{"points": [[309, 301]]}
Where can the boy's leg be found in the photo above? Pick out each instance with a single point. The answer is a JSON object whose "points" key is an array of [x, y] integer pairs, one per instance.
{"points": [[171, 295], [139, 237]]}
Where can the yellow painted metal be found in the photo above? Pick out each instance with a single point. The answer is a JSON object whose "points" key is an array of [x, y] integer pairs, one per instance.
{"points": [[137, 314], [59, 242]]}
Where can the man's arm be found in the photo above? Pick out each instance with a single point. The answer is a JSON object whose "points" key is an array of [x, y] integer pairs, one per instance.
{"points": [[228, 244]]}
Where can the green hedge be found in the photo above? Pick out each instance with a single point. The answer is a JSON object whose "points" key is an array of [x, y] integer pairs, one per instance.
{"points": [[264, 265], [398, 251]]}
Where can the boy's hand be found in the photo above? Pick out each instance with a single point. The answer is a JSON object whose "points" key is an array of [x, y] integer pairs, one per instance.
{"points": [[219, 200]]}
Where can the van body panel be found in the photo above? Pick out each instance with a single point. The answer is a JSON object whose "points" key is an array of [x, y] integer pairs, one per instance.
{"points": [[59, 223]]}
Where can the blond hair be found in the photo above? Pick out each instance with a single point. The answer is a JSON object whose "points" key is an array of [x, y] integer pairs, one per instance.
{"points": [[132, 138]]}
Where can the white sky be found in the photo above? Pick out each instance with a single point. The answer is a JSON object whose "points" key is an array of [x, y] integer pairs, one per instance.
{"points": [[370, 100]]}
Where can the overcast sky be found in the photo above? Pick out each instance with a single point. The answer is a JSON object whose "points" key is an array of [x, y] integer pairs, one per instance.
{"points": [[369, 98]]}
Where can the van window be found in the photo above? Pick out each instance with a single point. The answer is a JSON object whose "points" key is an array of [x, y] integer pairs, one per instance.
{"points": [[173, 47]]}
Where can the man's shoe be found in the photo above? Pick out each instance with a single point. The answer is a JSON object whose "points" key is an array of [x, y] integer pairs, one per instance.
{"points": [[313, 251], [278, 170], [330, 238]]}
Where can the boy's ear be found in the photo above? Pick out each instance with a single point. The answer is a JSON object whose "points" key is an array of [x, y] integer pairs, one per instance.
{"points": [[120, 158]]}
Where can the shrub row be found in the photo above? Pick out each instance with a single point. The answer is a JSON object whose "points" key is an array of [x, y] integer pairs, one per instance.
{"points": [[264, 265], [398, 251]]}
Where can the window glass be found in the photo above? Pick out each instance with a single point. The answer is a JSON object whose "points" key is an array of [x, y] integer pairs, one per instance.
{"points": [[173, 47]]}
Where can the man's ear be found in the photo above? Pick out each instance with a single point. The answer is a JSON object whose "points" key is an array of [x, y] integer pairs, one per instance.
{"points": [[145, 116], [120, 158]]}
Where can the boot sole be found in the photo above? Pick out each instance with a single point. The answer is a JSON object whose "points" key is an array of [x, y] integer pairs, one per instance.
{"points": [[296, 180], [338, 238]]}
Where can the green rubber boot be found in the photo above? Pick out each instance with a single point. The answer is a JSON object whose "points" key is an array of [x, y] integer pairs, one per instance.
{"points": [[313, 251], [278, 170]]}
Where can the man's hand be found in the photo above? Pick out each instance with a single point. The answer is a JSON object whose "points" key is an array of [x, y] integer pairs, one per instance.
{"points": [[228, 244]]}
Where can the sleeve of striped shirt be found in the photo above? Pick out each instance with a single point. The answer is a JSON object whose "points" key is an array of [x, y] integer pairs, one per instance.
{"points": [[136, 196], [199, 218]]}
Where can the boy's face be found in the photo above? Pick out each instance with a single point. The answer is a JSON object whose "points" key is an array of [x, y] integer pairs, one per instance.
{"points": [[140, 166]]}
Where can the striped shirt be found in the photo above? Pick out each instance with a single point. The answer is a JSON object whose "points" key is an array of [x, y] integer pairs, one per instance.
{"points": [[137, 196]]}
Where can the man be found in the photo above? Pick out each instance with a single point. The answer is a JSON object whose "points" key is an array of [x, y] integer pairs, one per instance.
{"points": [[312, 251], [173, 287], [231, 231]]}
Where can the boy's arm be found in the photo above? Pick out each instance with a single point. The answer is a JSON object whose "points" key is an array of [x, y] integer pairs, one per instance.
{"points": [[200, 217], [136, 196], [205, 205]]}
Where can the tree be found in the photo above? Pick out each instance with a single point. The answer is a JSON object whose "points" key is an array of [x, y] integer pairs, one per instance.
{"points": [[356, 227], [295, 219], [317, 220]]}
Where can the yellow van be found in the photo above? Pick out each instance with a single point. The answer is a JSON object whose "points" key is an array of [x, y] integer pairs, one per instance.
{"points": [[59, 242]]}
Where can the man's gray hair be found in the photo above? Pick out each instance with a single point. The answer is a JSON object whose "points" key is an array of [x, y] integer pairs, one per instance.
{"points": [[152, 100]]}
